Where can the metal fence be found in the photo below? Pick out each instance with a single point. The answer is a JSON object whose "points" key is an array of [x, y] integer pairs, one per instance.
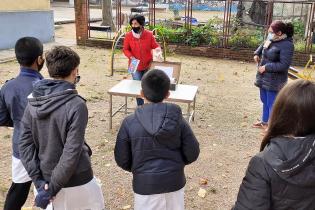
{"points": [[220, 23]]}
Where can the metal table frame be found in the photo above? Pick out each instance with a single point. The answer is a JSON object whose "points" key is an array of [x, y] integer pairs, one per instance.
{"points": [[191, 104]]}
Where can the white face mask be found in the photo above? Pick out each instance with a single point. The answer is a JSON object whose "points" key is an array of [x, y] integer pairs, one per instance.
{"points": [[270, 36]]}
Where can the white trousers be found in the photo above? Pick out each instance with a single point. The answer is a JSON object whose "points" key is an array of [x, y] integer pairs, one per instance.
{"points": [[164, 201], [19, 173], [84, 197]]}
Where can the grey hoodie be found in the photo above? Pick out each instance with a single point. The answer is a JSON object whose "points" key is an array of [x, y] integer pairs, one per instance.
{"points": [[52, 145], [282, 177]]}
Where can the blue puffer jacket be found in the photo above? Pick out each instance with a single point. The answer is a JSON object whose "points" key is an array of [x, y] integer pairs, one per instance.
{"points": [[277, 60], [155, 144]]}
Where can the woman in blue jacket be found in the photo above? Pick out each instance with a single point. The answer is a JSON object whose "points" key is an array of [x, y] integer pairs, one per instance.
{"points": [[273, 60]]}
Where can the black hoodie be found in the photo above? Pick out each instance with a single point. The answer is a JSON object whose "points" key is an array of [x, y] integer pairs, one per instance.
{"points": [[155, 144], [282, 177], [52, 145]]}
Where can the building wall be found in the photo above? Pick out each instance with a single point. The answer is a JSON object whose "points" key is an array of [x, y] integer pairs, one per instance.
{"points": [[21, 18], [23, 5]]}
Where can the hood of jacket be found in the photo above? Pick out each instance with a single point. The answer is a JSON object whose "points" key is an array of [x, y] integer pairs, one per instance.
{"points": [[293, 159], [162, 121], [49, 95]]}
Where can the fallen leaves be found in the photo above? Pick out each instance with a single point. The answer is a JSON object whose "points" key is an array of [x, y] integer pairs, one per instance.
{"points": [[126, 207], [203, 181], [202, 193]]}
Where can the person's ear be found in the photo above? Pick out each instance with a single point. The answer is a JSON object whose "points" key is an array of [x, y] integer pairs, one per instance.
{"points": [[40, 60], [141, 93], [279, 33], [74, 72], [168, 95]]}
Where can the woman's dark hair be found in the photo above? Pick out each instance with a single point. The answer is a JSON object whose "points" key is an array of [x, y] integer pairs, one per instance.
{"points": [[293, 112], [139, 18], [61, 61], [286, 28], [155, 85], [27, 50]]}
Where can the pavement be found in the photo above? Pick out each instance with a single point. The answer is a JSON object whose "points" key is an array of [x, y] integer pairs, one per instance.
{"points": [[63, 13]]}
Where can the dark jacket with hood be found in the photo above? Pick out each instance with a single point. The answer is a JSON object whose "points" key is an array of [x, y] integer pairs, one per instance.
{"points": [[282, 177], [155, 143], [13, 100], [277, 59], [52, 144]]}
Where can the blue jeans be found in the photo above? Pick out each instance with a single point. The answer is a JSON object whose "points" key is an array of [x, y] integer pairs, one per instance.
{"points": [[267, 97], [138, 76]]}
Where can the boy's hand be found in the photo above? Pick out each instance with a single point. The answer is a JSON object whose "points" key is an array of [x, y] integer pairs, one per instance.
{"points": [[40, 184], [43, 198]]}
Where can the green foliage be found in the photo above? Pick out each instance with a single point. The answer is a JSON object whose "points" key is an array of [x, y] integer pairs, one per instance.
{"points": [[171, 35], [246, 38], [299, 28], [199, 35], [211, 33], [202, 36]]}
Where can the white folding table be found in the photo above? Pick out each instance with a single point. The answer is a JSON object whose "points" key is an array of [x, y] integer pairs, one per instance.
{"points": [[131, 88]]}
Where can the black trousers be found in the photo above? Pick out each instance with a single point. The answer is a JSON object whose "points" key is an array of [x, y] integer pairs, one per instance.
{"points": [[17, 195]]}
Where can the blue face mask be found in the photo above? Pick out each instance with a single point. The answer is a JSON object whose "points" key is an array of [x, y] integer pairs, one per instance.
{"points": [[270, 36]]}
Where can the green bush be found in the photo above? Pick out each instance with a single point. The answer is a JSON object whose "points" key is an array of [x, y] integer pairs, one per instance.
{"points": [[246, 38], [199, 35], [299, 28]]}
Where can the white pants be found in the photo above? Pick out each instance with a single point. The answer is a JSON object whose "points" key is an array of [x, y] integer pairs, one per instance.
{"points": [[84, 197], [19, 173], [164, 201]]}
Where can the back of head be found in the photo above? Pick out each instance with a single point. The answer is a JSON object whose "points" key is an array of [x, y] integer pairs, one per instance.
{"points": [[155, 85], [286, 28], [61, 61], [27, 50], [139, 18], [293, 112]]}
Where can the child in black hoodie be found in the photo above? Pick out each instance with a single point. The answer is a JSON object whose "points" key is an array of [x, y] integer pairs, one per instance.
{"points": [[155, 143]]}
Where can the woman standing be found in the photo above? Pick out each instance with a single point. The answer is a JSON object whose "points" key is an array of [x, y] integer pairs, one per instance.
{"points": [[281, 176], [139, 44], [273, 60]]}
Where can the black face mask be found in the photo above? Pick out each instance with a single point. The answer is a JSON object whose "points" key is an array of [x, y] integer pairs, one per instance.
{"points": [[77, 79], [136, 29]]}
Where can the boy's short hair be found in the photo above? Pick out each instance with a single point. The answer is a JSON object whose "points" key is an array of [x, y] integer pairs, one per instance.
{"points": [[61, 61], [139, 18], [155, 85], [27, 50]]}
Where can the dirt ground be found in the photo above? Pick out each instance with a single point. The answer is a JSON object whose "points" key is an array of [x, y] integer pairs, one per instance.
{"points": [[227, 105]]}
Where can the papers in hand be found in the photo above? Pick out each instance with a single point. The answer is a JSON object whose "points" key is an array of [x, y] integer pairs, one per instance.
{"points": [[167, 70], [133, 65]]}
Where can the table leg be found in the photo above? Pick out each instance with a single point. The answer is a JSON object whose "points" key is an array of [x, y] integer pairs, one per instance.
{"points": [[194, 106], [126, 105], [110, 112], [188, 113]]}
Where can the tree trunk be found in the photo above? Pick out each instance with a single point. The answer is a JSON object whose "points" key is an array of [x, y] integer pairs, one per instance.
{"points": [[107, 14], [258, 12]]}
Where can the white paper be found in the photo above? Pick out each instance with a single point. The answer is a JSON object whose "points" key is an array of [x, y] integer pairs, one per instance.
{"points": [[167, 70]]}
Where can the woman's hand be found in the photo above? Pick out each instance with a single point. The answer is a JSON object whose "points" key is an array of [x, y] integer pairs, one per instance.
{"points": [[256, 58], [262, 69], [157, 52]]}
